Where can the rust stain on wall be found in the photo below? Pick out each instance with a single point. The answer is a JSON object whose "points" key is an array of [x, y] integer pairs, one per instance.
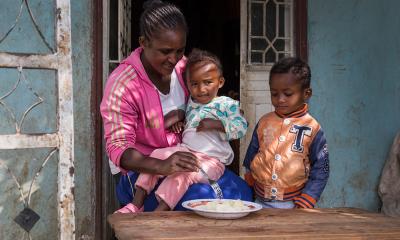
{"points": [[71, 171]]}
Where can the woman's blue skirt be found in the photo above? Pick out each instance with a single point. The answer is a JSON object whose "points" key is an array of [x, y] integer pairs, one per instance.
{"points": [[232, 186]]}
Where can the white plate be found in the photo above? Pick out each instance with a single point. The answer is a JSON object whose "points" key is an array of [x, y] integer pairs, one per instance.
{"points": [[232, 214]]}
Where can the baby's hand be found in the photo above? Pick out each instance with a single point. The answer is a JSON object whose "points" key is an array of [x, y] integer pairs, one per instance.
{"points": [[208, 124], [173, 117], [177, 127]]}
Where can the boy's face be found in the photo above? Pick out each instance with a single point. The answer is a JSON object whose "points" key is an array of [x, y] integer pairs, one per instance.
{"points": [[287, 95], [203, 81]]}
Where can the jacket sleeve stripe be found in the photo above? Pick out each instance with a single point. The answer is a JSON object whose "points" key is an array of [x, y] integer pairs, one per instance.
{"points": [[288, 196], [309, 199], [300, 204], [115, 101], [306, 200]]}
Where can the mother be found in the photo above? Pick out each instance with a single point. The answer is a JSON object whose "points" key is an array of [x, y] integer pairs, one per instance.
{"points": [[143, 91]]}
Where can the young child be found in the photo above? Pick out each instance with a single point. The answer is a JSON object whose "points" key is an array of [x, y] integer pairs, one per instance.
{"points": [[287, 159], [211, 122]]}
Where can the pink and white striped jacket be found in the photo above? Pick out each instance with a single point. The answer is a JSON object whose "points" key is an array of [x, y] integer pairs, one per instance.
{"points": [[131, 110]]}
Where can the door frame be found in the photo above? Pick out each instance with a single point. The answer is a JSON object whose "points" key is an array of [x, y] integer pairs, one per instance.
{"points": [[97, 92], [300, 19]]}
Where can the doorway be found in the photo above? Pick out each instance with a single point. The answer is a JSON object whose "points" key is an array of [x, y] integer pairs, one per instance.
{"points": [[213, 26]]}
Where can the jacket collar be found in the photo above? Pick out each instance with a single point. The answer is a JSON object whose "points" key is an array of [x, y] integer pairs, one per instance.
{"points": [[299, 113], [136, 63]]}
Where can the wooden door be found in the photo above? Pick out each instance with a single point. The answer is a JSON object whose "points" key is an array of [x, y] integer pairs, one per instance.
{"points": [[269, 30]]}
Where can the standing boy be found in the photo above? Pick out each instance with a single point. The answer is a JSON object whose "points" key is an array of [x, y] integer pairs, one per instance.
{"points": [[287, 159]]}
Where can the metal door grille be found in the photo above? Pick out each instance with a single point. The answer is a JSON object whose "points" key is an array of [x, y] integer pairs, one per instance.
{"points": [[121, 47], [61, 141]]}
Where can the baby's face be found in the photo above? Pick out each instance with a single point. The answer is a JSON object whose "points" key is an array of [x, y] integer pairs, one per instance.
{"points": [[287, 94], [204, 81]]}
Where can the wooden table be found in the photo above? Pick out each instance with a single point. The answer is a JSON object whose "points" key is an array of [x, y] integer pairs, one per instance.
{"points": [[328, 223]]}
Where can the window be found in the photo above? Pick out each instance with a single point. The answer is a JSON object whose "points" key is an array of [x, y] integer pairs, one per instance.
{"points": [[270, 31]]}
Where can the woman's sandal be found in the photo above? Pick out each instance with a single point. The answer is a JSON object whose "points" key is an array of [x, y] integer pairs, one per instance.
{"points": [[130, 208]]}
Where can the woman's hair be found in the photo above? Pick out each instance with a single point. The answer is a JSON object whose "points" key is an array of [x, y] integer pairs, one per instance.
{"points": [[159, 16], [197, 55], [294, 66]]}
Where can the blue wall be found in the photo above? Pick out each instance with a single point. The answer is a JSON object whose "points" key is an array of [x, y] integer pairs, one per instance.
{"points": [[354, 54]]}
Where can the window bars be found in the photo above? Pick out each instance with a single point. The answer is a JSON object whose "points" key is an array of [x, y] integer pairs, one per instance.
{"points": [[270, 31]]}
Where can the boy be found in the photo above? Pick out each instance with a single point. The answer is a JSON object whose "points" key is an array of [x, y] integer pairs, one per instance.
{"points": [[287, 159]]}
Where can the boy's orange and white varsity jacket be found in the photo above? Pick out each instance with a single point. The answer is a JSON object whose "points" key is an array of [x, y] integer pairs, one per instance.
{"points": [[288, 158]]}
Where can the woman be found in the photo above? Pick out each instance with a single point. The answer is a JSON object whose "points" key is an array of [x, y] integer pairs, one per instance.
{"points": [[144, 96]]}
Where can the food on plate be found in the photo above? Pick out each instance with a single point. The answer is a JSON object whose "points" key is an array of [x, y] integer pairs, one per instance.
{"points": [[230, 205], [221, 208]]}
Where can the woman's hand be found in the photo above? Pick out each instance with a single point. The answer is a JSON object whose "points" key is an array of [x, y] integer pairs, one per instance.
{"points": [[180, 162], [208, 124]]}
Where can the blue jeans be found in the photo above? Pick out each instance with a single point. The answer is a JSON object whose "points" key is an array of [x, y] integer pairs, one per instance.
{"points": [[274, 203]]}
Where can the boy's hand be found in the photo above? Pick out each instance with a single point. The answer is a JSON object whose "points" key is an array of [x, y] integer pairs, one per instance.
{"points": [[208, 124]]}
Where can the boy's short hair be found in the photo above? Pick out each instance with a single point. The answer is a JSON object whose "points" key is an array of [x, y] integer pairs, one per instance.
{"points": [[295, 66], [197, 55]]}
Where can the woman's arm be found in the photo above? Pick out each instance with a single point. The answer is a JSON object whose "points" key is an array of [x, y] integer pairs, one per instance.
{"points": [[178, 162]]}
